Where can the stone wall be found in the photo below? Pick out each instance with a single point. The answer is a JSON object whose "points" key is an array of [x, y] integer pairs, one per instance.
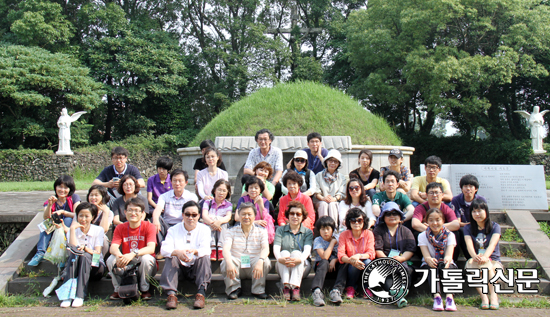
{"points": [[541, 159], [40, 166]]}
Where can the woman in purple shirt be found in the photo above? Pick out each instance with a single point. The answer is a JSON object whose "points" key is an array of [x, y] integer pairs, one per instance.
{"points": [[160, 183]]}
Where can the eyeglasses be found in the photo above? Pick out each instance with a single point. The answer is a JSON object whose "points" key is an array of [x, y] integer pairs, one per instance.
{"points": [[432, 167], [133, 211], [437, 193], [188, 215], [356, 221], [118, 158], [297, 214], [354, 188], [299, 160]]}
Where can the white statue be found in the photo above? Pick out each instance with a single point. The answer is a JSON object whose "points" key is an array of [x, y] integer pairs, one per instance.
{"points": [[64, 124], [536, 121]]}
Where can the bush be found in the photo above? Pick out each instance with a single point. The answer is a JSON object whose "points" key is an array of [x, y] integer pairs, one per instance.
{"points": [[165, 143], [464, 150]]}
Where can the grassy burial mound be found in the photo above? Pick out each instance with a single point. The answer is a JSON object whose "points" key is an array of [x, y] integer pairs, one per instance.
{"points": [[299, 108]]}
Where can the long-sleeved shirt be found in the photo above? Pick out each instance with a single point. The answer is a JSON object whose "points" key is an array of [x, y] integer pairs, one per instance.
{"points": [[338, 187], [349, 246], [205, 182], [178, 238]]}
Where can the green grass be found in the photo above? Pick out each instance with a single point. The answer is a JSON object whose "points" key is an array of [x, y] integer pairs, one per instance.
{"points": [[547, 184], [19, 301], [511, 235], [83, 181], [295, 109], [545, 227]]}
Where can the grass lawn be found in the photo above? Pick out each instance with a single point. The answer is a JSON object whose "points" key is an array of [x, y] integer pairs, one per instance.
{"points": [[38, 186], [83, 181], [547, 184]]}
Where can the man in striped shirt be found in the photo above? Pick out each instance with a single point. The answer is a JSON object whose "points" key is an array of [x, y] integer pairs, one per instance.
{"points": [[245, 252]]}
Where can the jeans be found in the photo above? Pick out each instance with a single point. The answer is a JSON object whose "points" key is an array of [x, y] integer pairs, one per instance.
{"points": [[44, 238]]}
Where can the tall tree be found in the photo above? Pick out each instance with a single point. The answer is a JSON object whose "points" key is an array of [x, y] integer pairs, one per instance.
{"points": [[34, 86], [464, 60], [141, 70]]}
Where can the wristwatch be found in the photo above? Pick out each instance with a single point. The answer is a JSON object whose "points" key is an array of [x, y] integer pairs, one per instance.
{"points": [[136, 252]]}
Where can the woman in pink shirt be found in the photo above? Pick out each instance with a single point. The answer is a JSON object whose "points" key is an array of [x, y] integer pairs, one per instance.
{"points": [[293, 181], [355, 251]]}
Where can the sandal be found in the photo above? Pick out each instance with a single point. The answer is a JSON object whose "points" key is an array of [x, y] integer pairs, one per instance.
{"points": [[484, 306], [494, 306]]}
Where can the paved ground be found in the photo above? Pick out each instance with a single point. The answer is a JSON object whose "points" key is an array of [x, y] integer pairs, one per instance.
{"points": [[270, 309]]}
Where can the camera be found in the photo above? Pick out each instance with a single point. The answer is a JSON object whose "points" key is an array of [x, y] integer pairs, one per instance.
{"points": [[56, 219]]}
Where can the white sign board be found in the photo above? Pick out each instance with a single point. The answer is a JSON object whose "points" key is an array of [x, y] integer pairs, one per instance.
{"points": [[504, 186]]}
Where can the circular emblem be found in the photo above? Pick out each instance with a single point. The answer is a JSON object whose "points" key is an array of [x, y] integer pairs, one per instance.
{"points": [[134, 246], [385, 281]]}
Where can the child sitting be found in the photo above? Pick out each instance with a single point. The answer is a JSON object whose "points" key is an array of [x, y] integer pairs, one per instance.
{"points": [[437, 244], [481, 236], [325, 251]]}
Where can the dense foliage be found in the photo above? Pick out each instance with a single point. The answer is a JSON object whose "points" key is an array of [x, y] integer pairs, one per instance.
{"points": [[169, 67]]}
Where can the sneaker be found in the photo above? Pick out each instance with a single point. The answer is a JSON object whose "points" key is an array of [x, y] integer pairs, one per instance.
{"points": [[296, 294], [65, 304], [335, 297], [438, 304], [235, 294], [317, 296], [450, 304], [286, 293], [220, 255], [350, 292], [171, 302], [78, 302], [213, 255], [402, 303], [36, 259]]}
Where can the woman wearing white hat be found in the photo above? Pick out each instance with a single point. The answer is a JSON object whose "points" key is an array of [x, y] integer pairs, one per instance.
{"points": [[331, 186], [299, 165]]}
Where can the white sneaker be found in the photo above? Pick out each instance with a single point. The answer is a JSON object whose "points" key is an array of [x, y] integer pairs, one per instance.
{"points": [[65, 303], [77, 302]]}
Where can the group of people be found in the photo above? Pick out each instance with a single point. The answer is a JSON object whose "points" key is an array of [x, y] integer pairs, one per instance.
{"points": [[309, 215]]}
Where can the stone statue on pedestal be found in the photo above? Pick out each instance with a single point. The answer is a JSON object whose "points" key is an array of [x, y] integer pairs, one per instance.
{"points": [[64, 124], [536, 121]]}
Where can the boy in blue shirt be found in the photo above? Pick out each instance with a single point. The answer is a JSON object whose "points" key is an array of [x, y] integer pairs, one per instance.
{"points": [[325, 251]]}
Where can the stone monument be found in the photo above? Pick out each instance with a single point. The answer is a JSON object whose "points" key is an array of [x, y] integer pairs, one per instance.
{"points": [[64, 124], [536, 121]]}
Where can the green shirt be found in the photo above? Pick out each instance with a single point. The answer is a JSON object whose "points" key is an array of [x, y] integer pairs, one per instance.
{"points": [[290, 242], [270, 188], [401, 199]]}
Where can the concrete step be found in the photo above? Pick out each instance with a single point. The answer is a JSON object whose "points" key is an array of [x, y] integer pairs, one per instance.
{"points": [[512, 247]]}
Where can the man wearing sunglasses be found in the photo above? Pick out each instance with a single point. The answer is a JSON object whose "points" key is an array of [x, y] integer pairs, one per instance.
{"points": [[186, 249]]}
